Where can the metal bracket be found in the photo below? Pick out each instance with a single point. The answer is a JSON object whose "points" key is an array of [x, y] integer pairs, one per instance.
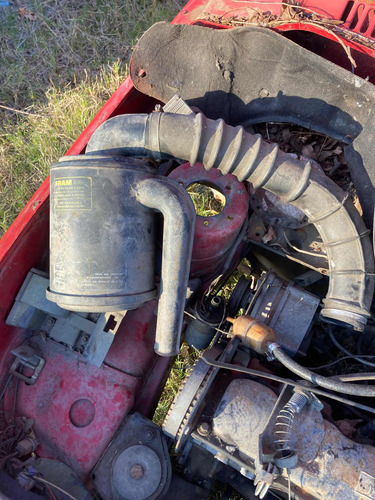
{"points": [[88, 333], [26, 357]]}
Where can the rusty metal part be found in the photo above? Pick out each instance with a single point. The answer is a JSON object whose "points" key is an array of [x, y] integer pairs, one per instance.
{"points": [[204, 429], [253, 333], [330, 465]]}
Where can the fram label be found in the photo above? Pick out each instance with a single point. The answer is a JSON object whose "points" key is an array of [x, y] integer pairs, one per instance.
{"points": [[72, 193]]}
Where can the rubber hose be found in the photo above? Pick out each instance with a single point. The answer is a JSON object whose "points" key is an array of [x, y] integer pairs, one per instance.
{"points": [[196, 138], [327, 383]]}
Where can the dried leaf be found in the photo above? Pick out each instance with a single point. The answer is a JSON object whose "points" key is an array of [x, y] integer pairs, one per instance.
{"points": [[26, 13], [184, 351], [308, 151]]}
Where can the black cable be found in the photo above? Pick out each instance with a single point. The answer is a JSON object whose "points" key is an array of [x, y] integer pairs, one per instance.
{"points": [[15, 400], [367, 391], [5, 386], [345, 351], [332, 363], [275, 378]]}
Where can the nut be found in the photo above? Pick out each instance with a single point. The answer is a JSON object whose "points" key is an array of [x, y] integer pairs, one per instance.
{"points": [[204, 429]]}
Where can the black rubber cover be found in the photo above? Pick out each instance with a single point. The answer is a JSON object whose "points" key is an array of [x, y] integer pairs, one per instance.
{"points": [[250, 75]]}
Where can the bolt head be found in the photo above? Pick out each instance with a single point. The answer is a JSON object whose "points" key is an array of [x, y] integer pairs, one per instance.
{"points": [[137, 471], [204, 429]]}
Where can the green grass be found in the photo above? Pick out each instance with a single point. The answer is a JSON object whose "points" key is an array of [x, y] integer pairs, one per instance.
{"points": [[208, 201], [29, 145], [59, 68]]}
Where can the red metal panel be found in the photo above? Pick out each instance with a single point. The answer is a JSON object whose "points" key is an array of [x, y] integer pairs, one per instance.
{"points": [[214, 236], [76, 406]]}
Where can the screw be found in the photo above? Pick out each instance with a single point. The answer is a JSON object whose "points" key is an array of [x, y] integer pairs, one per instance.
{"points": [[137, 471], [204, 429], [50, 321]]}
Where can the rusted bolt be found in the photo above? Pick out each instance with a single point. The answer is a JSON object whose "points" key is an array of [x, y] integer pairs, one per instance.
{"points": [[204, 429], [137, 471]]}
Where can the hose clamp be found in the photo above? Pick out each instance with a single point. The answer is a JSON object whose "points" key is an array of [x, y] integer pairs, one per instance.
{"points": [[272, 346], [154, 134]]}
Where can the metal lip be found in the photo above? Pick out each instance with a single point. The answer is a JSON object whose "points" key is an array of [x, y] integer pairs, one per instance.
{"points": [[99, 304], [92, 160]]}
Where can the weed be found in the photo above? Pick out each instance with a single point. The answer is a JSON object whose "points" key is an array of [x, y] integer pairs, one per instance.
{"points": [[207, 200], [59, 69]]}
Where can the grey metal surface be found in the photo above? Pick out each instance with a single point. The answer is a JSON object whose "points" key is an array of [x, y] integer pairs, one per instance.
{"points": [[136, 473], [26, 358], [330, 465], [287, 309], [242, 415], [179, 214]]}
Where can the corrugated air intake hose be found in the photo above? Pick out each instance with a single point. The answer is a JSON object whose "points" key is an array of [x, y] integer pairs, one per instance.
{"points": [[196, 138]]}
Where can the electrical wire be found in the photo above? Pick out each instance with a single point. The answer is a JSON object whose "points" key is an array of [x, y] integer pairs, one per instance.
{"points": [[332, 363], [206, 322], [48, 483], [5, 386], [300, 250], [276, 378], [354, 377], [345, 351]]}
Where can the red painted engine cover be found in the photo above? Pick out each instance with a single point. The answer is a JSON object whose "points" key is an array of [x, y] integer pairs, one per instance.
{"points": [[214, 236]]}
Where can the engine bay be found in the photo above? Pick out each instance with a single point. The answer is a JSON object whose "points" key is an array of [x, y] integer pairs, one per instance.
{"points": [[269, 284]]}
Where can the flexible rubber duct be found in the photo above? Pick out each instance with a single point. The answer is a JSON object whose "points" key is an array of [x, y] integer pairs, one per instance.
{"points": [[196, 138]]}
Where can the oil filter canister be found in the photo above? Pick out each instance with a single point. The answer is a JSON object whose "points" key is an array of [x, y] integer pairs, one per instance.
{"points": [[102, 240]]}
